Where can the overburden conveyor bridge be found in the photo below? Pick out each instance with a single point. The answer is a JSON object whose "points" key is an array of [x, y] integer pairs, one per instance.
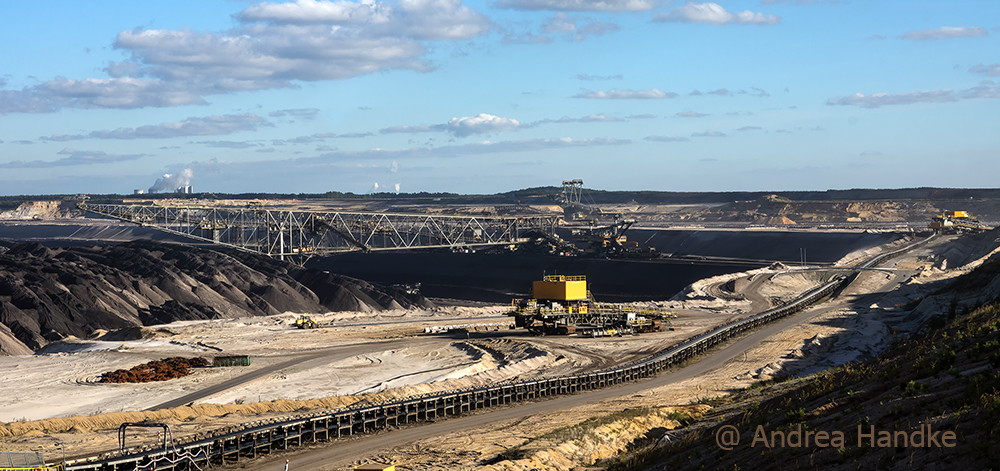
{"points": [[302, 234]]}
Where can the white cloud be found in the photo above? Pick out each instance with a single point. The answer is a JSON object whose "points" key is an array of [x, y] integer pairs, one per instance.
{"points": [[598, 77], [354, 135], [690, 114], [75, 157], [463, 150], [201, 126], [599, 118], [876, 100], [312, 11], [420, 19], [593, 118], [407, 129], [480, 124], [119, 92], [229, 144], [714, 13], [535, 144], [206, 126], [441, 20], [274, 46], [526, 37], [573, 28], [577, 28], [615, 94], [304, 113], [63, 137], [708, 134], [267, 56], [666, 139], [298, 140], [797, 2], [987, 89], [993, 70], [945, 32], [754, 91], [485, 123], [579, 5]]}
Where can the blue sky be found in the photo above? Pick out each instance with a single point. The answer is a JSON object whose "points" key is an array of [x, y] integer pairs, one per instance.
{"points": [[310, 96]]}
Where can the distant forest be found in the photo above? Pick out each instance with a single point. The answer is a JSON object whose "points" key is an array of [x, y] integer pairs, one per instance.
{"points": [[546, 195]]}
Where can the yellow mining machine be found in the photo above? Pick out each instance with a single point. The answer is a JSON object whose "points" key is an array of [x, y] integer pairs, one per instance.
{"points": [[957, 221], [561, 304], [306, 322]]}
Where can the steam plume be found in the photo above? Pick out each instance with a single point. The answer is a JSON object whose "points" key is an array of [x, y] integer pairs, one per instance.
{"points": [[170, 182]]}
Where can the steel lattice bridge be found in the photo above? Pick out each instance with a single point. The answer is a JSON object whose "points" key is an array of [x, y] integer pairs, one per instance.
{"points": [[303, 234]]}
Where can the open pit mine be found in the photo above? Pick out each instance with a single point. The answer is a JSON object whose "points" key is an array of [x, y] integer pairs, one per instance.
{"points": [[503, 333]]}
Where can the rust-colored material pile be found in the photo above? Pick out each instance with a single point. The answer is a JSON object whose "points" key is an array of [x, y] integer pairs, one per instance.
{"points": [[159, 370]]}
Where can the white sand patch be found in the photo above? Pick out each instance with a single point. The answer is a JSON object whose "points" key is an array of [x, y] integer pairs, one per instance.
{"points": [[351, 353]]}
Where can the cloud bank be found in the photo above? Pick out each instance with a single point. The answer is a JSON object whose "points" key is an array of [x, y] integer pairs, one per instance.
{"points": [[986, 89], [74, 157], [275, 45], [200, 126]]}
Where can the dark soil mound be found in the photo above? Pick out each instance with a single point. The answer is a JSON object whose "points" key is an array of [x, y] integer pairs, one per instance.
{"points": [[47, 294], [158, 370]]}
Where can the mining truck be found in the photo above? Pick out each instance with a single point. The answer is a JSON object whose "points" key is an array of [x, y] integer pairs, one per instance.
{"points": [[306, 322]]}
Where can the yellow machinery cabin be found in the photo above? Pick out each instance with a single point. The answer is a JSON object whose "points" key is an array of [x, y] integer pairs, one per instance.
{"points": [[560, 288]]}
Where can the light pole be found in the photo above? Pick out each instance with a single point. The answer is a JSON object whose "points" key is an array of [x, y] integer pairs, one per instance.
{"points": [[61, 446]]}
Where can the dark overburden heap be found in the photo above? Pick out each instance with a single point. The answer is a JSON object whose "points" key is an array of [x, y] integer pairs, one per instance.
{"points": [[47, 294], [157, 370]]}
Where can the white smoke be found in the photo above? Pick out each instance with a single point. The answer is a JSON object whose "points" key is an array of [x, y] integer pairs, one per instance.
{"points": [[170, 182], [375, 188], [397, 188]]}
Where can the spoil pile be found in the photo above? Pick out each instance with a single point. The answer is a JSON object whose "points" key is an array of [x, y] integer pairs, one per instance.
{"points": [[47, 294], [158, 370]]}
